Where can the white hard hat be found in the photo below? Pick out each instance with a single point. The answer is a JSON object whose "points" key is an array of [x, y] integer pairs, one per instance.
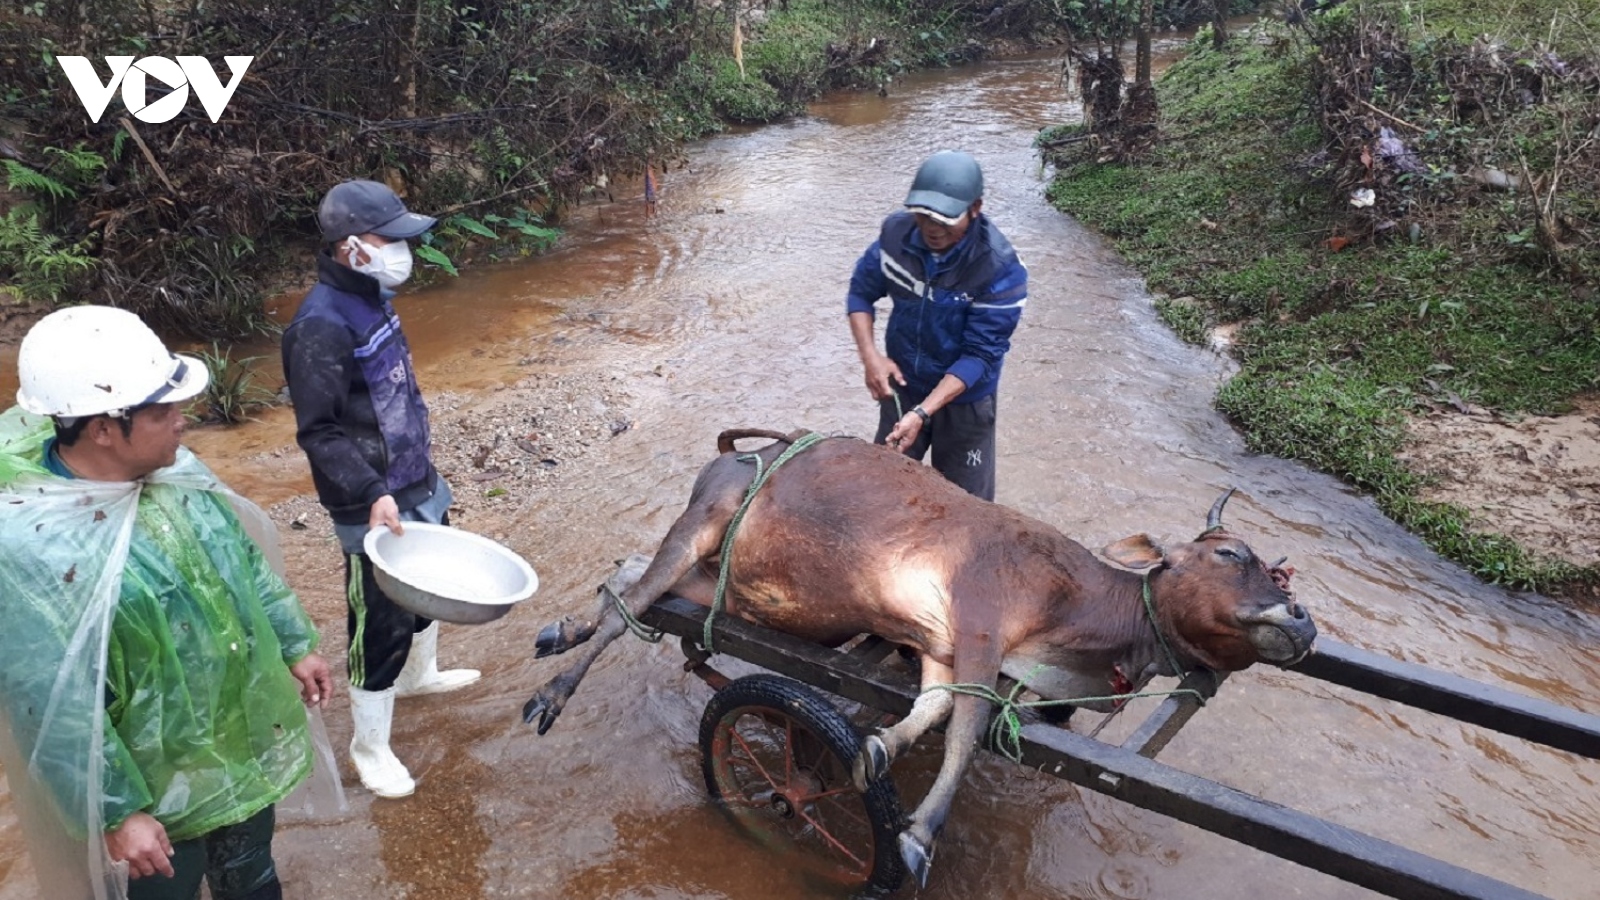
{"points": [[99, 360]]}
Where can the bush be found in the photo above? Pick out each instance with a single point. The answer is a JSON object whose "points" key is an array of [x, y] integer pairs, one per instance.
{"points": [[747, 98], [232, 392]]}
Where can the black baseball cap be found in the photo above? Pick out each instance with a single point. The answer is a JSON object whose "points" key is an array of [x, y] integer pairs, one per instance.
{"points": [[368, 207]]}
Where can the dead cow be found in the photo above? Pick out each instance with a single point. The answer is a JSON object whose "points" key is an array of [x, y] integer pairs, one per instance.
{"points": [[848, 538]]}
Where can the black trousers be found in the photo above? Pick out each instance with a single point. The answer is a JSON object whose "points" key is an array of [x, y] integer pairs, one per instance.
{"points": [[961, 436], [236, 860], [379, 629]]}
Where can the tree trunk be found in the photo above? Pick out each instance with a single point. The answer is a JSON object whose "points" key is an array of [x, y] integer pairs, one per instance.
{"points": [[1219, 23], [408, 62], [1147, 24]]}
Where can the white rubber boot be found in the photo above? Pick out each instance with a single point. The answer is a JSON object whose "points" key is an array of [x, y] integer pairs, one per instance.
{"points": [[381, 772], [421, 674]]}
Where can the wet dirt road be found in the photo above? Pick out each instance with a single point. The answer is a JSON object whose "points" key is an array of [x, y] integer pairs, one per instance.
{"points": [[727, 310]]}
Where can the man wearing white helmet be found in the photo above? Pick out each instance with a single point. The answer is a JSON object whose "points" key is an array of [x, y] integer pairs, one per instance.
{"points": [[364, 427], [153, 664]]}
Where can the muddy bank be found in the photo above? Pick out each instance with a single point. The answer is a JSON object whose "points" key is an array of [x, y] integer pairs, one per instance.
{"points": [[1535, 479]]}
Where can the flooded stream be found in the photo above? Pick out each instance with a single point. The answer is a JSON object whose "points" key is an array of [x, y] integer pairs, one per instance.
{"points": [[726, 310]]}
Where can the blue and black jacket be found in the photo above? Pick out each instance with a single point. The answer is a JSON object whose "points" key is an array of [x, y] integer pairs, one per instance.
{"points": [[953, 315], [359, 414]]}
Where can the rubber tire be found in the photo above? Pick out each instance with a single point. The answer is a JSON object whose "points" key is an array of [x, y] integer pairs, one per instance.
{"points": [[812, 711]]}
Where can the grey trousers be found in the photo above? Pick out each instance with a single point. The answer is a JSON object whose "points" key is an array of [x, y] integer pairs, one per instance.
{"points": [[961, 436]]}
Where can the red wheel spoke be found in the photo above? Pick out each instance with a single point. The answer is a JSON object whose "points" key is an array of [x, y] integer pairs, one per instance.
{"points": [[809, 798], [788, 750], [832, 841], [747, 802], [753, 761], [781, 767], [845, 809]]}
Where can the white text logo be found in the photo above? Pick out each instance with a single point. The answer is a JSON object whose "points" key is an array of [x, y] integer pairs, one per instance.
{"points": [[186, 72]]}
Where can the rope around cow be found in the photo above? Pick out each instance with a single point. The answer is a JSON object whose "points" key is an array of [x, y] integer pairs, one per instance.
{"points": [[1005, 732], [720, 600], [802, 444]]}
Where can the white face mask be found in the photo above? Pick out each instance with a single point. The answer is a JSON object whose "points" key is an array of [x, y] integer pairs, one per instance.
{"points": [[390, 264]]}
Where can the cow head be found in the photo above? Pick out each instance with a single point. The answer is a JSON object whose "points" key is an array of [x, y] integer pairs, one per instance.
{"points": [[1217, 602]]}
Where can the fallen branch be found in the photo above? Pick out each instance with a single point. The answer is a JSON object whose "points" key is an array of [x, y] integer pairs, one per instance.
{"points": [[1055, 143], [149, 157], [451, 210], [1393, 118]]}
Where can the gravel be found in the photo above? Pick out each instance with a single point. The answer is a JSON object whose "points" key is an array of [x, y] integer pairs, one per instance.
{"points": [[499, 447]]}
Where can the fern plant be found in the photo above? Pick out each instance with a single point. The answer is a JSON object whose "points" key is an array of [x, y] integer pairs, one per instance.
{"points": [[21, 178], [38, 264]]}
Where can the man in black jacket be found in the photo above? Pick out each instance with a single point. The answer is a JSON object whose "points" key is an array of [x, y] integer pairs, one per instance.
{"points": [[364, 427]]}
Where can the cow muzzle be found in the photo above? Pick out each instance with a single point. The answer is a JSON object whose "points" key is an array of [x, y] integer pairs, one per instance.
{"points": [[1283, 634]]}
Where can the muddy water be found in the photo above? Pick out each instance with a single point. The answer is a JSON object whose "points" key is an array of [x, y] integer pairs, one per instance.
{"points": [[727, 310]]}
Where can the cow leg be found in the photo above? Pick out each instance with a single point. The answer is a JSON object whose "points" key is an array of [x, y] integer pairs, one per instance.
{"points": [[696, 535], [960, 744], [977, 661], [565, 633], [548, 701], [669, 565], [961, 741], [928, 711]]}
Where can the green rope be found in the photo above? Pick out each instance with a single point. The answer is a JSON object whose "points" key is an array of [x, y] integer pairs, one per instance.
{"points": [[804, 443], [1005, 732], [640, 630], [1150, 612]]}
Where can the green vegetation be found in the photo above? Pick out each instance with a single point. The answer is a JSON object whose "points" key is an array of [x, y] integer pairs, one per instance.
{"points": [[232, 392], [43, 263], [1444, 291], [501, 114]]}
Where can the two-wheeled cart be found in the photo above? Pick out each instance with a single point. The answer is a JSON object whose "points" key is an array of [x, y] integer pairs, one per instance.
{"points": [[777, 754]]}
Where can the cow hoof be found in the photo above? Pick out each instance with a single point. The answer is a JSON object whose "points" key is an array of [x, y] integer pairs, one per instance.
{"points": [[549, 642], [871, 762], [543, 707], [918, 858]]}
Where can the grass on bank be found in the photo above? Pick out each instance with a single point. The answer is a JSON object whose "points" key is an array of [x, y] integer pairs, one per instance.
{"points": [[1451, 304]]}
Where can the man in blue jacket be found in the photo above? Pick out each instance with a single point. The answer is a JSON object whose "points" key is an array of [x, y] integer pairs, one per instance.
{"points": [[957, 290], [364, 427]]}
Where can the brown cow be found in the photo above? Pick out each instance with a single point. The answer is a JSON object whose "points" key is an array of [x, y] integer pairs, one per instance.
{"points": [[848, 538]]}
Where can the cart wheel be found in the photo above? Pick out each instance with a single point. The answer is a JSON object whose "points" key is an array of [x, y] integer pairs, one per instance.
{"points": [[777, 757]]}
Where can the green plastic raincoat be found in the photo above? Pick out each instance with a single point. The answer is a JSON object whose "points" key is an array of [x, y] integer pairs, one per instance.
{"points": [[144, 653]]}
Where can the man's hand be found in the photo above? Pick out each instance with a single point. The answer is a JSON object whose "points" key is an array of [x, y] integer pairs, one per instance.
{"points": [[142, 843], [880, 370], [385, 512], [904, 433], [315, 681]]}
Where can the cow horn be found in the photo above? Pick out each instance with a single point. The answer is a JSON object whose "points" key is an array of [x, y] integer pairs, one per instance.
{"points": [[1214, 518]]}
